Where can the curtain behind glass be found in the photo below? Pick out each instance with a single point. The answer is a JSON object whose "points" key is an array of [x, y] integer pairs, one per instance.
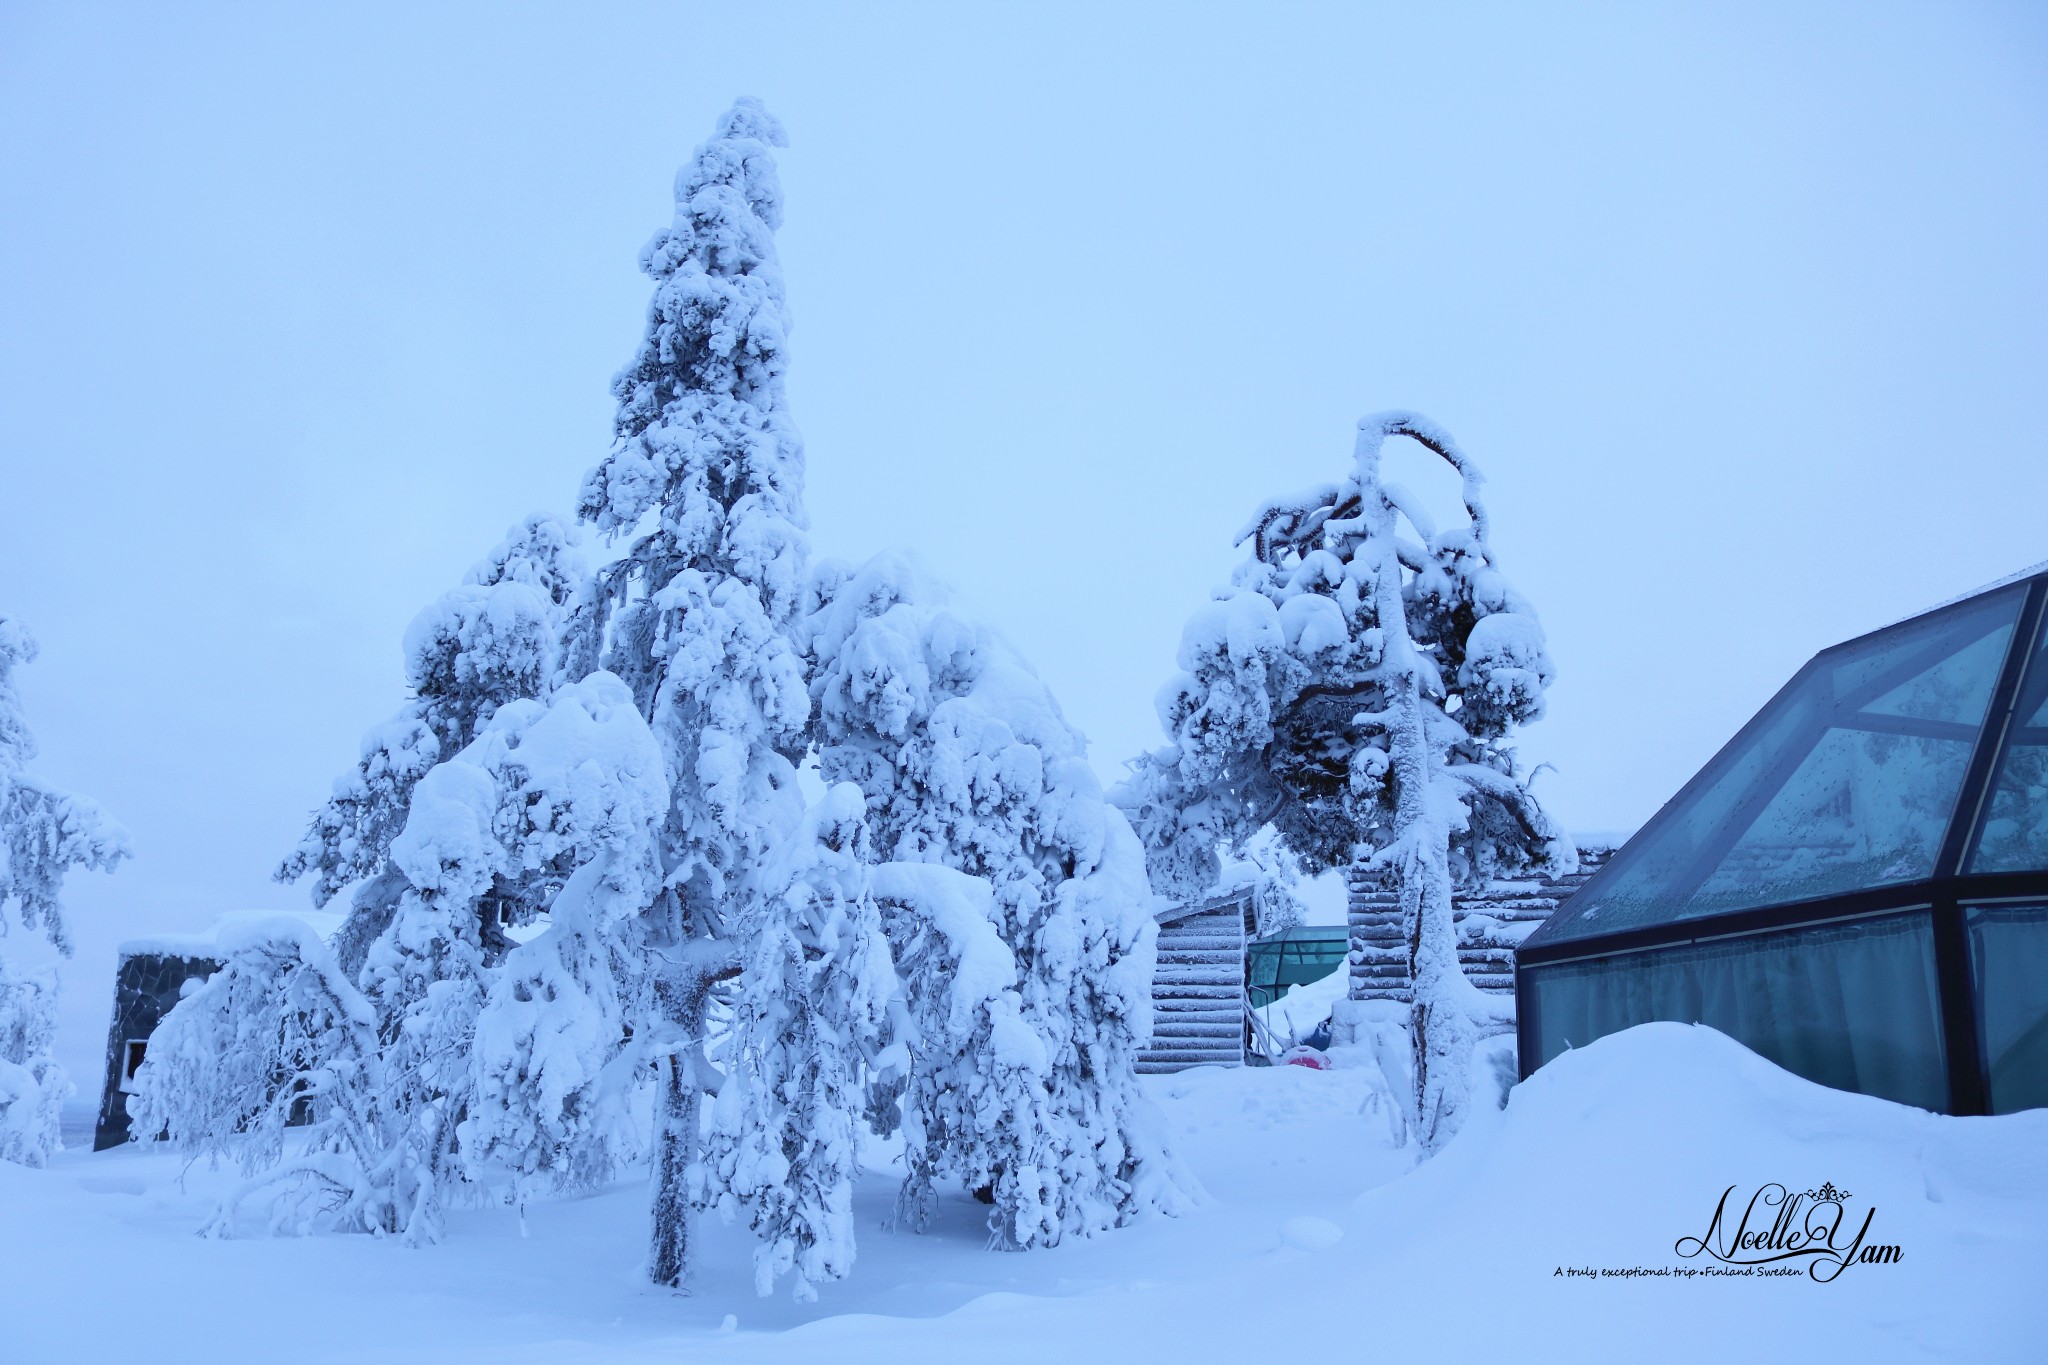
{"points": [[2009, 961], [1852, 1005]]}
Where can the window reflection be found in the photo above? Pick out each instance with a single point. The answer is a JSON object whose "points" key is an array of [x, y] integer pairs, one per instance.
{"points": [[2015, 833], [1847, 780]]}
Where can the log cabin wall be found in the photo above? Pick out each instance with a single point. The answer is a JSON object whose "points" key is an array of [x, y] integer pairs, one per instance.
{"points": [[1491, 922], [1198, 987]]}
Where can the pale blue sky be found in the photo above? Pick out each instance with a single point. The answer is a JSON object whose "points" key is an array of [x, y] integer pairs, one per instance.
{"points": [[1742, 308]]}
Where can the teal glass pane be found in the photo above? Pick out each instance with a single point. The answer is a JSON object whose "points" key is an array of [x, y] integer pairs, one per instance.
{"points": [[2009, 963], [1846, 780], [1851, 1005], [1862, 809], [1294, 957], [2014, 835]]}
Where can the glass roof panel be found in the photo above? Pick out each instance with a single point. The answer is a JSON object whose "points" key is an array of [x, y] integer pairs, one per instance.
{"points": [[1861, 809], [1955, 690], [1847, 779], [2015, 833]]}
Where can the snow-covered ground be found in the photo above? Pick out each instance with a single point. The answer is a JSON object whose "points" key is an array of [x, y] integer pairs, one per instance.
{"points": [[1317, 1241]]}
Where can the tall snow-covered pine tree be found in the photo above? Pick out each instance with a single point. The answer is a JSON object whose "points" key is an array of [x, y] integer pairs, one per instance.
{"points": [[706, 474]]}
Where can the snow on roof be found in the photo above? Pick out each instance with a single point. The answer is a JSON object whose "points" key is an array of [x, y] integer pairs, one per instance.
{"points": [[1167, 911], [206, 943], [1993, 586], [1305, 933]]}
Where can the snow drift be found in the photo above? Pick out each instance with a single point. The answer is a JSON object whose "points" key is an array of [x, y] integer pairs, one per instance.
{"points": [[1313, 1241]]}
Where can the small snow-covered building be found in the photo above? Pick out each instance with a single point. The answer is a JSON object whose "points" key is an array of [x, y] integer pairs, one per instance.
{"points": [[148, 981], [1198, 985], [1855, 887]]}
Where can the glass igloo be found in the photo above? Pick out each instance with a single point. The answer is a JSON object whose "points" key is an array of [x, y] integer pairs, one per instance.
{"points": [[1856, 887]]}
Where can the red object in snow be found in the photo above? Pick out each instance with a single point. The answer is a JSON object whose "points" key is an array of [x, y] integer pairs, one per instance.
{"points": [[1309, 1057]]}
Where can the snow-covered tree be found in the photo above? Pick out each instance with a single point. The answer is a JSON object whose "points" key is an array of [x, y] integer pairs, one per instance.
{"points": [[613, 762], [700, 617], [967, 763], [497, 638], [1265, 867], [706, 472], [785, 1140], [428, 1069], [413, 955], [277, 1029], [420, 938], [44, 833], [1355, 687]]}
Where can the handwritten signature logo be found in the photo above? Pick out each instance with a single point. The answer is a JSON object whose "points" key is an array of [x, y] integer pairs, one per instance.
{"points": [[1781, 1228]]}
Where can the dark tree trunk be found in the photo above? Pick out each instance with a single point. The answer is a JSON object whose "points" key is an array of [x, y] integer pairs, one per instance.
{"points": [[675, 1143]]}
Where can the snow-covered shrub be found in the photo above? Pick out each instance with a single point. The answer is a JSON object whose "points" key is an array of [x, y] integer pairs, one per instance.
{"points": [[967, 763], [280, 1029], [44, 833], [33, 1088], [1355, 687]]}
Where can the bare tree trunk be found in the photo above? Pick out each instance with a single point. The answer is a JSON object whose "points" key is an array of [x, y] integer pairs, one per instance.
{"points": [[675, 1144]]}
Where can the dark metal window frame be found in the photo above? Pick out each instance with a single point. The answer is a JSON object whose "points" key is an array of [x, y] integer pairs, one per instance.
{"points": [[1947, 892]]}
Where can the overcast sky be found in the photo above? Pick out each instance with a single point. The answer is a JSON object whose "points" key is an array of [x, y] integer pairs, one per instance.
{"points": [[1741, 308]]}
